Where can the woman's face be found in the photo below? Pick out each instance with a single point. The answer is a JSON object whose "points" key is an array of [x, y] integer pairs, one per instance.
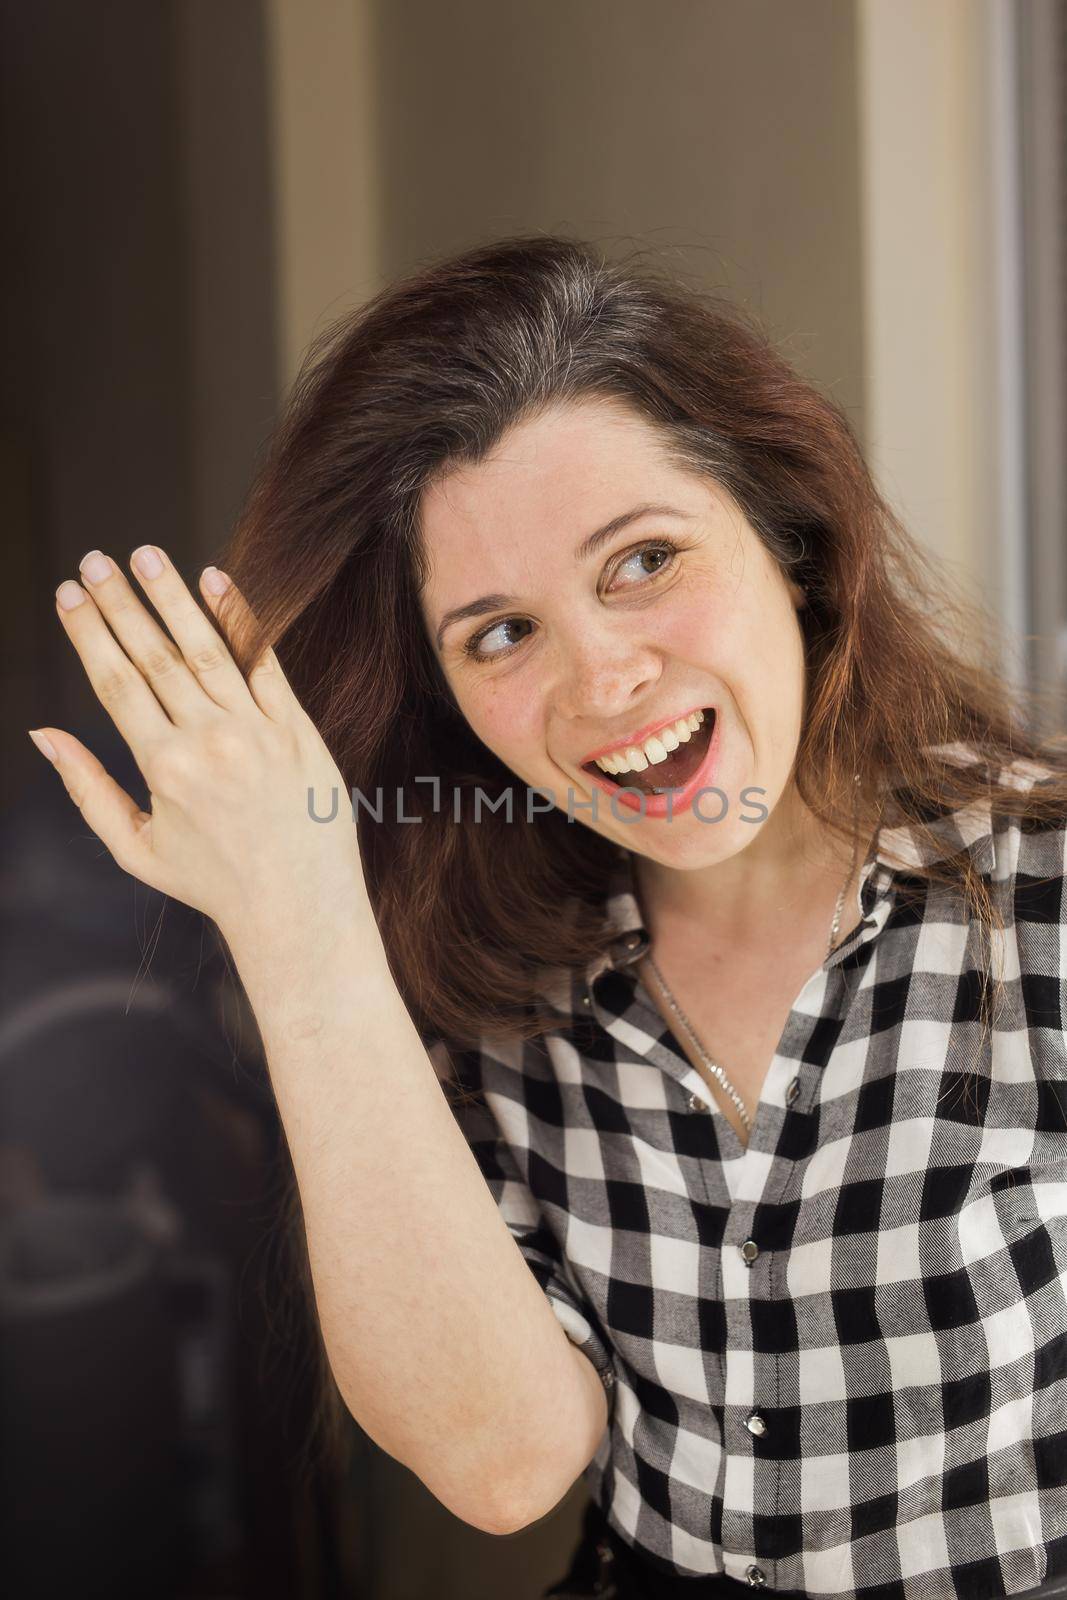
{"points": [[564, 654]]}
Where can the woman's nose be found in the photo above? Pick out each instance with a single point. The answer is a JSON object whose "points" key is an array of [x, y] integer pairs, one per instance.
{"points": [[600, 678]]}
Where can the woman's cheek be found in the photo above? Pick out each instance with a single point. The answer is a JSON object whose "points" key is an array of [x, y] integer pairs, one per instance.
{"points": [[705, 641], [502, 720]]}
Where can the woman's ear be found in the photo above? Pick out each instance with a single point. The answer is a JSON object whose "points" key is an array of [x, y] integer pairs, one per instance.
{"points": [[798, 595]]}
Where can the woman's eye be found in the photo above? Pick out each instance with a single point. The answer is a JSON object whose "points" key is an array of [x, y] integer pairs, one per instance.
{"points": [[639, 555], [475, 646]]}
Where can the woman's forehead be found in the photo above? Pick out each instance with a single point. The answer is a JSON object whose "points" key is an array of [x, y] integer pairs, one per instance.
{"points": [[552, 477]]}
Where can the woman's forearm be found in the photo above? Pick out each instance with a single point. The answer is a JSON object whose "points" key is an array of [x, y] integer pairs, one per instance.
{"points": [[440, 1338]]}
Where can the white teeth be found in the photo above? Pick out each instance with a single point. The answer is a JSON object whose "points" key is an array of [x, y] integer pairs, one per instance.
{"points": [[655, 749]]}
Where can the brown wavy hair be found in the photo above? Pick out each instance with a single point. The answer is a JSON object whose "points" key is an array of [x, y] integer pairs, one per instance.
{"points": [[427, 377]]}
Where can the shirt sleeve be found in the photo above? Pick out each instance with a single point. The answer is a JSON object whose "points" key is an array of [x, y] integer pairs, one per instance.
{"points": [[520, 1210]]}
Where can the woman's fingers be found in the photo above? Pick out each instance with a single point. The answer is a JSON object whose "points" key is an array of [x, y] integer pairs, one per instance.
{"points": [[185, 663], [267, 683], [115, 818], [118, 684]]}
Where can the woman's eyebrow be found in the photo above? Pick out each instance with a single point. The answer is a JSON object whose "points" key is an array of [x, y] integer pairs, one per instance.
{"points": [[588, 547]]}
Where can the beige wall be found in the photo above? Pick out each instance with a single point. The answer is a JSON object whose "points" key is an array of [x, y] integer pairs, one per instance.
{"points": [[326, 159], [942, 412], [725, 133]]}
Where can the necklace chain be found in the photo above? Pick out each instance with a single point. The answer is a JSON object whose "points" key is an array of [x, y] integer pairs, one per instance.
{"points": [[713, 1066]]}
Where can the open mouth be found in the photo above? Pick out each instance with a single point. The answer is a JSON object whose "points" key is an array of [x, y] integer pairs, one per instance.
{"points": [[673, 772]]}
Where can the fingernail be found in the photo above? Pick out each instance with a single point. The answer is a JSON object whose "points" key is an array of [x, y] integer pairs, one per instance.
{"points": [[215, 582], [147, 561], [43, 743], [70, 594], [95, 566]]}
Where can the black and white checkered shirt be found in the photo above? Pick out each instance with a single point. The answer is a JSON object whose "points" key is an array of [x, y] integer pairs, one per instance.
{"points": [[836, 1360]]}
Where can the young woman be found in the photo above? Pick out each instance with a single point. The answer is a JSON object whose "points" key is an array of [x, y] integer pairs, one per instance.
{"points": [[709, 877]]}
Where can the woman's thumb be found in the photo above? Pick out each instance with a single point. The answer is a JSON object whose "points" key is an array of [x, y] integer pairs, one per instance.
{"points": [[112, 814]]}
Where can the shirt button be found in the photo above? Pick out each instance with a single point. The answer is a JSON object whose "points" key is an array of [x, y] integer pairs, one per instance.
{"points": [[697, 1104], [755, 1424], [749, 1250], [792, 1092], [756, 1576], [586, 1000]]}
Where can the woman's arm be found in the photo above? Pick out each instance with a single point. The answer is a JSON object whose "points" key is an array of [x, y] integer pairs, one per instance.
{"points": [[442, 1343]]}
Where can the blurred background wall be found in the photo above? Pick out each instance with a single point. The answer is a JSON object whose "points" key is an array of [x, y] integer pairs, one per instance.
{"points": [[193, 191]]}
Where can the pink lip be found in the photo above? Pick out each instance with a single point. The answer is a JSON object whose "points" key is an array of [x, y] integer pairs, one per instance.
{"points": [[655, 805], [639, 737]]}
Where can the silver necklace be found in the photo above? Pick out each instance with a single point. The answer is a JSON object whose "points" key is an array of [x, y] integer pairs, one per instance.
{"points": [[713, 1066]]}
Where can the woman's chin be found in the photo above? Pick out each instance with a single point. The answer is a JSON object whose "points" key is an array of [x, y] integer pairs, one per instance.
{"points": [[690, 846]]}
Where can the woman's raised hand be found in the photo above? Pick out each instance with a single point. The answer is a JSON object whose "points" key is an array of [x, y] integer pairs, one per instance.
{"points": [[228, 763]]}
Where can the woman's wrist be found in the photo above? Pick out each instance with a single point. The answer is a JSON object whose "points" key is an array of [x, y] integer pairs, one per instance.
{"points": [[288, 937]]}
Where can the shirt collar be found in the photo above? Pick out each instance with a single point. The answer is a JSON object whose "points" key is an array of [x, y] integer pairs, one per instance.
{"points": [[894, 849]]}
